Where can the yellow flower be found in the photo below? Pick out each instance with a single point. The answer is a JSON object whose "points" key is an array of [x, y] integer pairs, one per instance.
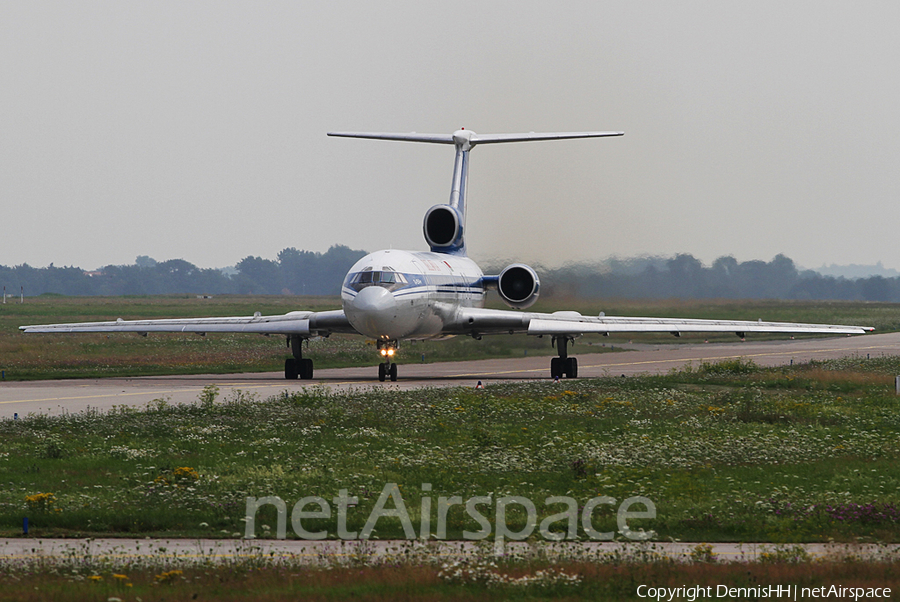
{"points": [[185, 472], [40, 502], [180, 474], [168, 576]]}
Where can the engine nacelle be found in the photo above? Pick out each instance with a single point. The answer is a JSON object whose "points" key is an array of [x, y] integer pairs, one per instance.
{"points": [[518, 285], [443, 228]]}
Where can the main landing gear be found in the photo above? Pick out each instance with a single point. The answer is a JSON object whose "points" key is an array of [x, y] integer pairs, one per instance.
{"points": [[297, 366], [563, 365], [387, 369]]}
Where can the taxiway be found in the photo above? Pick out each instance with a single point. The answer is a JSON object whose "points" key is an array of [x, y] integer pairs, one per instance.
{"points": [[59, 396]]}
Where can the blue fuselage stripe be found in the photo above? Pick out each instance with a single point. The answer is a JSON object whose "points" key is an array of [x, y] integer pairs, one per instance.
{"points": [[472, 289]]}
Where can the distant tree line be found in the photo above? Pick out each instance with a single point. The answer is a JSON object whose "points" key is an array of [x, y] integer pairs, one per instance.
{"points": [[684, 276], [293, 273], [307, 273]]}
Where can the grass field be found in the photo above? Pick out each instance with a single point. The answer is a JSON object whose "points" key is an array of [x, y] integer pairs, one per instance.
{"points": [[25, 357], [726, 452]]}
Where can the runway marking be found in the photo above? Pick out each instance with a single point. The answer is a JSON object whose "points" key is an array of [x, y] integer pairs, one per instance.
{"points": [[122, 394]]}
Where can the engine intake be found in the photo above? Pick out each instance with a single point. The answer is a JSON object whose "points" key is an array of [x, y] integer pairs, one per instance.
{"points": [[518, 285], [443, 227]]}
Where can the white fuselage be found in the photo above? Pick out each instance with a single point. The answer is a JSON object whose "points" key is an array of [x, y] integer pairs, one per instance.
{"points": [[394, 295]]}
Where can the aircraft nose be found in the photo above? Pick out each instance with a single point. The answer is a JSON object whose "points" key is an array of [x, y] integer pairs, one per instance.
{"points": [[374, 299], [373, 312]]}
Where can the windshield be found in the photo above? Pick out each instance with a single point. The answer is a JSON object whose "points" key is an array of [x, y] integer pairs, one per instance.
{"points": [[389, 280]]}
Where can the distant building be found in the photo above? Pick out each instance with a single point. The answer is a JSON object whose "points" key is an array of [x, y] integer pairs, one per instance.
{"points": [[854, 270]]}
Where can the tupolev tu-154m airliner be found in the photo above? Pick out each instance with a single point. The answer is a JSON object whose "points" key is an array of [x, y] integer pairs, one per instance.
{"points": [[393, 296]]}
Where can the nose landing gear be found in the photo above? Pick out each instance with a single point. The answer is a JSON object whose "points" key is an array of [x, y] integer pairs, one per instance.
{"points": [[387, 369]]}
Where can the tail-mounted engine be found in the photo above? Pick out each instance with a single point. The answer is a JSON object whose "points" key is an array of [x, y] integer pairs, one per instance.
{"points": [[443, 229], [518, 285]]}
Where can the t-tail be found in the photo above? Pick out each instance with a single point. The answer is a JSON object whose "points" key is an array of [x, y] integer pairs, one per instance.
{"points": [[445, 225]]}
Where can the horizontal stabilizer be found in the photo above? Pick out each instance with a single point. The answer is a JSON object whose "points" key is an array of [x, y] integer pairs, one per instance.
{"points": [[471, 138], [411, 137], [530, 137]]}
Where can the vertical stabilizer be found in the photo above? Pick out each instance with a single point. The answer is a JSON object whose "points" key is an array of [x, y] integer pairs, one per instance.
{"points": [[457, 202]]}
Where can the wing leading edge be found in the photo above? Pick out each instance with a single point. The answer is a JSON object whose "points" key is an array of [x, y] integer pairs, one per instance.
{"points": [[300, 323], [486, 321]]}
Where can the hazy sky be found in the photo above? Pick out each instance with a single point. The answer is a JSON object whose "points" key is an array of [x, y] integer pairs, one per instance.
{"points": [[196, 130]]}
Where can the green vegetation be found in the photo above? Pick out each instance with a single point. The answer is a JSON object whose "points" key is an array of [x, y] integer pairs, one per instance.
{"points": [[727, 452], [96, 355]]}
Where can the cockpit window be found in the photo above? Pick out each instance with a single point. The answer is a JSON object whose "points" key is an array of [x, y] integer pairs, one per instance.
{"points": [[389, 280]]}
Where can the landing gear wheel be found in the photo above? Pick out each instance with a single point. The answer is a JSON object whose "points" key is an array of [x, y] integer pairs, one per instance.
{"points": [[556, 370], [382, 372], [393, 372], [306, 369], [291, 370], [572, 367]]}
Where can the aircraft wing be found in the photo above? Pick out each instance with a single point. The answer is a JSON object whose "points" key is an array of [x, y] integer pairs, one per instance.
{"points": [[301, 323], [488, 321]]}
